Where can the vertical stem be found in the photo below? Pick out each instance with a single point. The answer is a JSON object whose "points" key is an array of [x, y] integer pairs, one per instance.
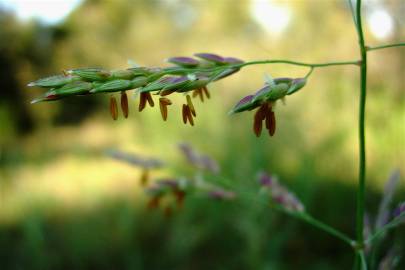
{"points": [[362, 138]]}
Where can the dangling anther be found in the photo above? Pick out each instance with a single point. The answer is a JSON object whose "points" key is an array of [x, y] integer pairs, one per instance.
{"points": [[166, 92], [258, 120], [113, 108], [149, 99], [191, 105], [168, 211], [205, 90], [144, 177], [163, 103], [184, 113], [142, 102], [180, 195], [189, 115], [198, 92], [272, 123], [124, 104], [154, 202]]}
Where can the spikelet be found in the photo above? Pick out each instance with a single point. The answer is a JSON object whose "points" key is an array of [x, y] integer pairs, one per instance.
{"points": [[113, 108], [124, 104]]}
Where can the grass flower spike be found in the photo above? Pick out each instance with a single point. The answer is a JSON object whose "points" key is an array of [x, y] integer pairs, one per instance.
{"points": [[265, 99]]}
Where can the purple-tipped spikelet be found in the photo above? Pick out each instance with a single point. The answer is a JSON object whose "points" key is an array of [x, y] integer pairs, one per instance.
{"points": [[210, 57], [183, 61], [264, 101], [279, 194], [221, 194], [399, 212], [167, 187], [198, 160], [383, 214], [135, 160]]}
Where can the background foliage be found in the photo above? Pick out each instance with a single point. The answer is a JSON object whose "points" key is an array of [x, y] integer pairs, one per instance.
{"points": [[65, 205]]}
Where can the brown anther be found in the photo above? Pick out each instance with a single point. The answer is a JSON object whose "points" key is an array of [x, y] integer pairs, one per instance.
{"points": [[184, 113], [205, 90], [272, 123], [65, 73], [168, 211], [144, 177], [165, 101], [189, 115], [262, 111], [163, 109], [198, 92], [257, 123], [201, 94], [142, 102], [113, 108], [149, 99], [124, 104], [180, 195], [191, 105], [166, 92], [154, 202]]}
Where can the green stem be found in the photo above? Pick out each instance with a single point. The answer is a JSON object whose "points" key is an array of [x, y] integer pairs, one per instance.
{"points": [[392, 224], [219, 69], [297, 63], [385, 46], [362, 138], [316, 223], [261, 62]]}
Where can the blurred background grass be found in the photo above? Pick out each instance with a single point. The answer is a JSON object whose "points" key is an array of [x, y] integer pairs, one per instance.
{"points": [[64, 205]]}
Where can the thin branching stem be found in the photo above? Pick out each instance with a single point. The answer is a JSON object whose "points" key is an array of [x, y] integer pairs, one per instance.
{"points": [[373, 48], [297, 63], [349, 2], [264, 62], [392, 224], [303, 216]]}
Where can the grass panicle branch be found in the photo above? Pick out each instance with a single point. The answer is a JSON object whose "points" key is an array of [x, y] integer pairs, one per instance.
{"points": [[374, 48]]}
